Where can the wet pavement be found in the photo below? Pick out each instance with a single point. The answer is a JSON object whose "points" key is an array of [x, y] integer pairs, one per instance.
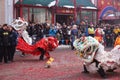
{"points": [[66, 66]]}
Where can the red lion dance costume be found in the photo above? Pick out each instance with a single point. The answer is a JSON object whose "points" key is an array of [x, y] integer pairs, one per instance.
{"points": [[41, 47]]}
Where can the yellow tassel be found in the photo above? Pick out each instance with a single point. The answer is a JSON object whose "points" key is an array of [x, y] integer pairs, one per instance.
{"points": [[50, 60], [48, 63], [81, 55]]}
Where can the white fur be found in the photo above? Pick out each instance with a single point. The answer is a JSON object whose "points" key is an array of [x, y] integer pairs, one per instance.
{"points": [[20, 26], [107, 59]]}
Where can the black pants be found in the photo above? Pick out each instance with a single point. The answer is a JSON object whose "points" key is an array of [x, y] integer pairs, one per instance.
{"points": [[1, 54], [12, 52], [92, 35], [72, 47], [109, 42], [4, 54], [42, 53]]}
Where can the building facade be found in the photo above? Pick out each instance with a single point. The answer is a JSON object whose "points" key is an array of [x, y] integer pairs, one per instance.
{"points": [[9, 11], [109, 11], [6, 11], [2, 12], [39, 14]]}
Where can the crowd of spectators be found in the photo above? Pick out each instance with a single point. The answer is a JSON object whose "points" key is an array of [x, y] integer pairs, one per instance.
{"points": [[66, 34]]}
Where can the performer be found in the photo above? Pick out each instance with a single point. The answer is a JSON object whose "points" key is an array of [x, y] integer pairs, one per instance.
{"points": [[42, 47], [91, 51], [24, 44]]}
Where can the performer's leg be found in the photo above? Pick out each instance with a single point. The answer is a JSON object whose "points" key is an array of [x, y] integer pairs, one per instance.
{"points": [[85, 69], [102, 72], [47, 55], [111, 70], [42, 53], [96, 62], [22, 54]]}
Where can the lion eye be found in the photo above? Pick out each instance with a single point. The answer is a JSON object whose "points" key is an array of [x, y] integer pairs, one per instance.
{"points": [[88, 50], [19, 23]]}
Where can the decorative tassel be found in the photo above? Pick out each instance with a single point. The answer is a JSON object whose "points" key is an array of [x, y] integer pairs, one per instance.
{"points": [[48, 63]]}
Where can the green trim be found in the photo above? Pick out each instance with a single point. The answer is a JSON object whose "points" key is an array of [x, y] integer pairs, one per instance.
{"points": [[83, 3]]}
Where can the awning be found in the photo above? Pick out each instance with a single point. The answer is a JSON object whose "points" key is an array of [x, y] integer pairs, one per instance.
{"points": [[108, 13], [110, 17], [61, 3], [36, 2]]}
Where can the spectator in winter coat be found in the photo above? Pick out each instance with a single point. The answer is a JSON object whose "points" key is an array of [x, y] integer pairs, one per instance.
{"points": [[46, 30], [91, 30], [4, 43], [117, 40], [52, 31], [13, 43], [74, 35]]}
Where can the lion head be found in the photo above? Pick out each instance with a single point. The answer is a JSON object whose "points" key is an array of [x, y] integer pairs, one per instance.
{"points": [[19, 24], [52, 43], [86, 48]]}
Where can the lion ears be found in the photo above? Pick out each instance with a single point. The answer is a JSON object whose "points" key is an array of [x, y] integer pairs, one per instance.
{"points": [[19, 23]]}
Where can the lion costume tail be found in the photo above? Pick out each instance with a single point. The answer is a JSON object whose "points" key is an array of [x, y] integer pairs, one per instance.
{"points": [[26, 48]]}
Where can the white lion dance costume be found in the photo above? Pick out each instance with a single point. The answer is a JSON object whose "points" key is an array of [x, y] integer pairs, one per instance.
{"points": [[42, 46], [90, 51], [20, 26]]}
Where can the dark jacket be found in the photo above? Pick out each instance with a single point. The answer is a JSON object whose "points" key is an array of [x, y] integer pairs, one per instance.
{"points": [[4, 37], [13, 38]]}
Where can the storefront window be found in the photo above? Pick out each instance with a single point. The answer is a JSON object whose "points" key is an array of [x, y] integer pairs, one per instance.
{"points": [[88, 16], [25, 13], [39, 15], [36, 15]]}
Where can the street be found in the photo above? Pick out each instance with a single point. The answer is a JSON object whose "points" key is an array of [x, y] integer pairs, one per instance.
{"points": [[66, 66]]}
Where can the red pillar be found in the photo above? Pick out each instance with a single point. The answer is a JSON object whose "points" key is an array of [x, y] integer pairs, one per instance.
{"points": [[46, 14], [53, 16], [21, 9], [75, 11], [28, 14], [53, 11], [17, 12], [56, 2]]}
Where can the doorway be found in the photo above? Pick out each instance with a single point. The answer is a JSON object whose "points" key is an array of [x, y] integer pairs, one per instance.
{"points": [[67, 19]]}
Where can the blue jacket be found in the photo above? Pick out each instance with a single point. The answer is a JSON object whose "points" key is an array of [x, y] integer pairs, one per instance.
{"points": [[52, 32]]}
